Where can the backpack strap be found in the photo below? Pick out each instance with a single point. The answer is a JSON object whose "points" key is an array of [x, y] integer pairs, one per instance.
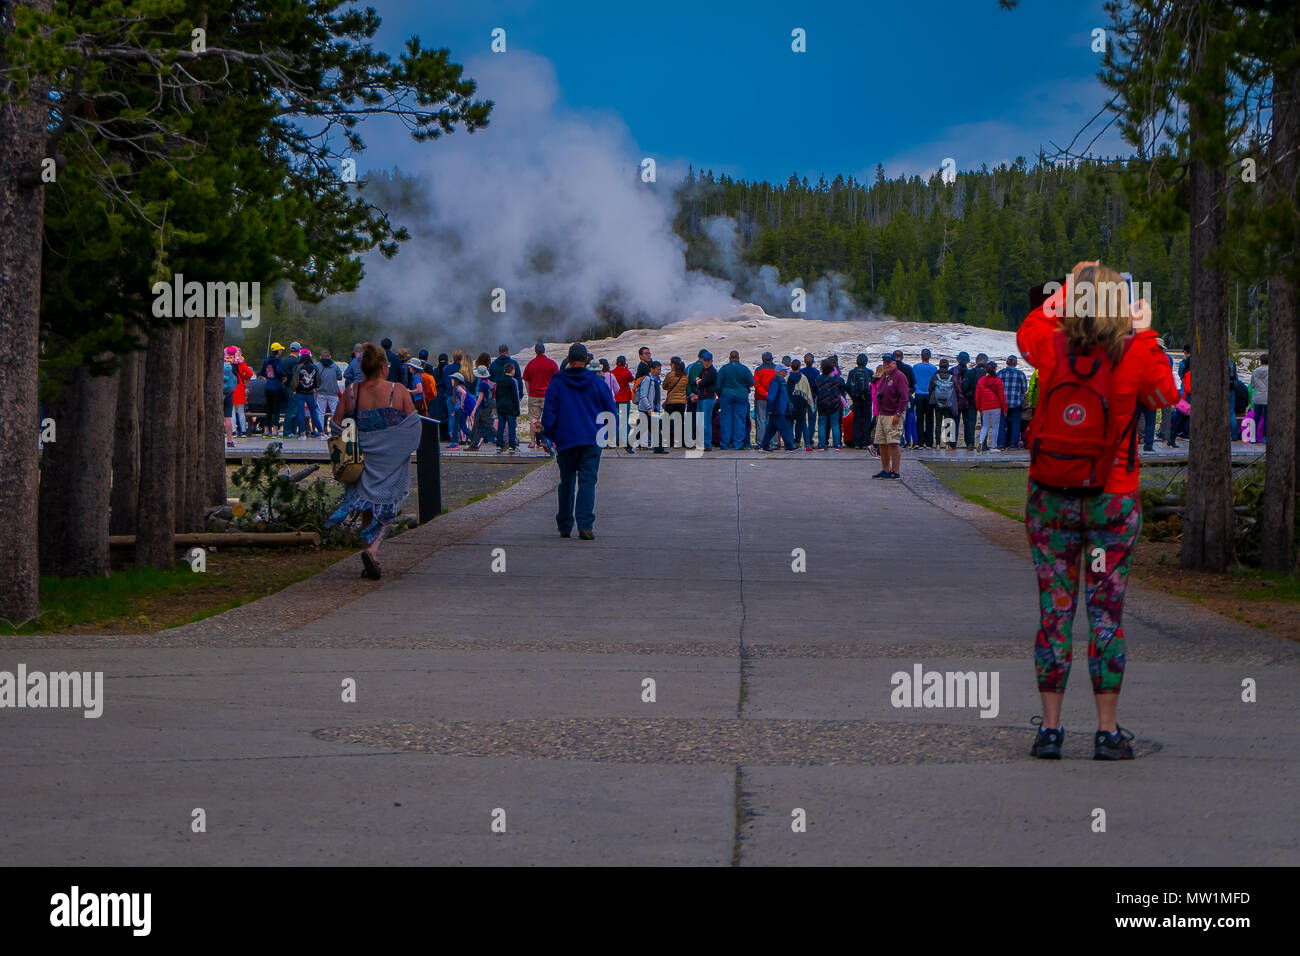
{"points": [[1131, 431]]}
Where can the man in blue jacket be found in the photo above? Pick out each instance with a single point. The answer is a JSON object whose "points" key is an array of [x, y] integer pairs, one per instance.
{"points": [[574, 400], [779, 407], [734, 382]]}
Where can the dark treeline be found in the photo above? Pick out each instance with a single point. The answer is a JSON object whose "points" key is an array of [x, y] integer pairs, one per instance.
{"points": [[966, 252]]}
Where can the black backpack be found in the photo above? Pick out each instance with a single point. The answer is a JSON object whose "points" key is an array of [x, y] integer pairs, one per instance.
{"points": [[860, 384], [1240, 397]]}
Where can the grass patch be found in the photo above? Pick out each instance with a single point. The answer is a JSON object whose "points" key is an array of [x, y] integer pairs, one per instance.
{"points": [[999, 489], [136, 600], [1265, 586], [1004, 490], [143, 599]]}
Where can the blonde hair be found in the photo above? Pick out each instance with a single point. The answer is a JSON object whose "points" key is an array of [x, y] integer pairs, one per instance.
{"points": [[1097, 313]]}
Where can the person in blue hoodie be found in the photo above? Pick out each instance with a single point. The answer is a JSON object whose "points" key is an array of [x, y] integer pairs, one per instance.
{"points": [[779, 408], [574, 400]]}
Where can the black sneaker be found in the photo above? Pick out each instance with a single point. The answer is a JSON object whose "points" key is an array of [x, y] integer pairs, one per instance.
{"points": [[1107, 747], [1047, 745], [893, 474], [565, 534], [881, 474], [587, 535]]}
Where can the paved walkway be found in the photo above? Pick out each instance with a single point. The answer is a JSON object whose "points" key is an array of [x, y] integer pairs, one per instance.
{"points": [[522, 690]]}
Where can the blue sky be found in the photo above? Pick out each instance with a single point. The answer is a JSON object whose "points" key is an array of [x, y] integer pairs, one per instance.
{"points": [[716, 84]]}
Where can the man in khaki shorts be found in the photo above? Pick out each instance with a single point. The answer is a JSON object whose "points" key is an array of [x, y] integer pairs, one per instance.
{"points": [[892, 395]]}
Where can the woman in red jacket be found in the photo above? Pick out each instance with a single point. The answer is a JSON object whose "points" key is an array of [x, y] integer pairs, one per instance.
{"points": [[240, 398], [991, 400], [1067, 524]]}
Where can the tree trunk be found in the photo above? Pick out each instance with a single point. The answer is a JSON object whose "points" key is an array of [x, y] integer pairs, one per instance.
{"points": [[214, 425], [177, 396], [195, 496], [22, 216], [1277, 507], [1208, 521], [126, 446], [156, 508], [75, 477]]}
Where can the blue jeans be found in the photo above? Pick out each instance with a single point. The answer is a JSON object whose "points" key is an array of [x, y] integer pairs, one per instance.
{"points": [[1149, 429], [1009, 430], [810, 425], [778, 425], [302, 403], [582, 462], [458, 430], [705, 407], [506, 423], [290, 415], [623, 419], [967, 419], [734, 410], [829, 420]]}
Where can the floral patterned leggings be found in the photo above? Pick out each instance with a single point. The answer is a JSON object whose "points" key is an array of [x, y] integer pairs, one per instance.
{"points": [[1062, 529]]}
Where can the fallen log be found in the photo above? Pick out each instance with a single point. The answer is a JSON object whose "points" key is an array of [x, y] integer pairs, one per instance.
{"points": [[1166, 511], [302, 473], [231, 539]]}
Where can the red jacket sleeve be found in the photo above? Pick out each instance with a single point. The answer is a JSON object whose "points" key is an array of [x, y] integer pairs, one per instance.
{"points": [[1034, 337], [1157, 384]]}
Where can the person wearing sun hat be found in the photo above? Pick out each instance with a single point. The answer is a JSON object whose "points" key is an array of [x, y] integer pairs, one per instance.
{"points": [[423, 388], [460, 399], [485, 408]]}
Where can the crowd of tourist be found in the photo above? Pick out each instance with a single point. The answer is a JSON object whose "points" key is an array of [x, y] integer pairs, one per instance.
{"points": [[790, 404]]}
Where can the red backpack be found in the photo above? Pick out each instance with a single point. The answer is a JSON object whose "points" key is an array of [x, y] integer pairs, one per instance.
{"points": [[1068, 445]]}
